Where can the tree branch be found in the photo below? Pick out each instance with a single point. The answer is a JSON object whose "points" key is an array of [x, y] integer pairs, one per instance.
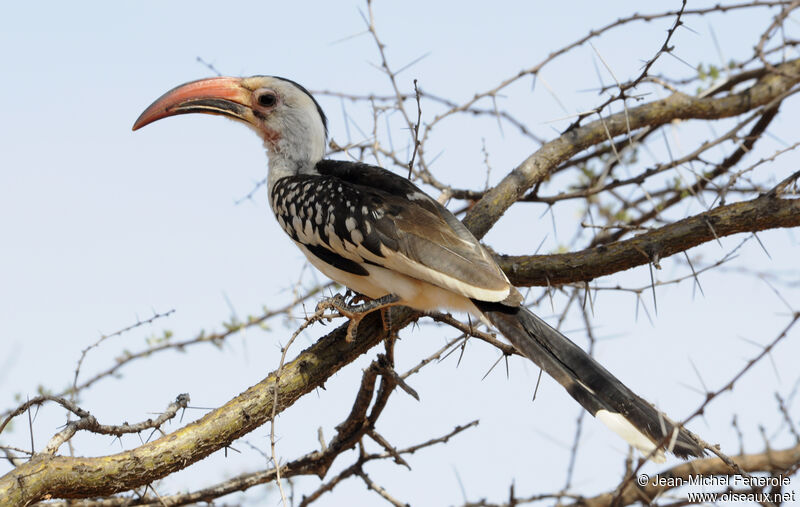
{"points": [[677, 106], [769, 461], [765, 212], [73, 477]]}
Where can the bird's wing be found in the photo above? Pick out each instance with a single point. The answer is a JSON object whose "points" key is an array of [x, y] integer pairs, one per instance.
{"points": [[391, 222]]}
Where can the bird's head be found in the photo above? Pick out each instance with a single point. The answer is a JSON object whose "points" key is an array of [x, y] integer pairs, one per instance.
{"points": [[282, 112]]}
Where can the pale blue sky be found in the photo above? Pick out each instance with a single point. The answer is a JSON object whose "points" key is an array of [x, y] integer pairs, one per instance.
{"points": [[99, 226]]}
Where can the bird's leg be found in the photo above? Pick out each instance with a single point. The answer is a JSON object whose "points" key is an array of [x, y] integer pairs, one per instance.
{"points": [[356, 312]]}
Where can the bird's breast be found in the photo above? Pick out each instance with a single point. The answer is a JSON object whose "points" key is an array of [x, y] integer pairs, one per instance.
{"points": [[322, 211]]}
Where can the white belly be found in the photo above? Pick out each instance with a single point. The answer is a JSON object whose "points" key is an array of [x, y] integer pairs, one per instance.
{"points": [[412, 292]]}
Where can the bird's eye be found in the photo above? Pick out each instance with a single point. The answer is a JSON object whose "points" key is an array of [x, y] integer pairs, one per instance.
{"points": [[267, 99]]}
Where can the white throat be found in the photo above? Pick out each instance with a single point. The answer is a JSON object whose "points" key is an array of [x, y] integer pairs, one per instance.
{"points": [[300, 147]]}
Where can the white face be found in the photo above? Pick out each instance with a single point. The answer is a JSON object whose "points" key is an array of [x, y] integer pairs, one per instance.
{"points": [[289, 122]]}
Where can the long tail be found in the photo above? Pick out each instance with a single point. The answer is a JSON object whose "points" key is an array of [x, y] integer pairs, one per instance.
{"points": [[594, 387]]}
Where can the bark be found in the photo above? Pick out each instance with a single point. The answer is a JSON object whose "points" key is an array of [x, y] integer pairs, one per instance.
{"points": [[769, 461], [46, 476], [765, 212], [677, 106]]}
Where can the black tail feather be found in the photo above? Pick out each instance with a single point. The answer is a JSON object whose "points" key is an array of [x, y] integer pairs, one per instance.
{"points": [[586, 380]]}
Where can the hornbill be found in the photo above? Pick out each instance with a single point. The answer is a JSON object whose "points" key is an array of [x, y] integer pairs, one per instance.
{"points": [[378, 234]]}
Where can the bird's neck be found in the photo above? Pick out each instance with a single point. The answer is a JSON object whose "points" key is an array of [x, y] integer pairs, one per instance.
{"points": [[296, 150], [280, 167]]}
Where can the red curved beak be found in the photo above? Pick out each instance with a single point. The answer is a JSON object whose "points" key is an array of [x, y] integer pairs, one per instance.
{"points": [[217, 95]]}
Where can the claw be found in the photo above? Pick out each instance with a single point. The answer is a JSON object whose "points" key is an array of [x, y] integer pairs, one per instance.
{"points": [[356, 312]]}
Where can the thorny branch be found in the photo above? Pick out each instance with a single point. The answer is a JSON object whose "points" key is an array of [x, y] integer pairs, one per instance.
{"points": [[165, 343], [593, 165]]}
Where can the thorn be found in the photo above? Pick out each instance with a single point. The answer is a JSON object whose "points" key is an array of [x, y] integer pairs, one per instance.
{"points": [[699, 377], [538, 381], [536, 252], [589, 297], [463, 348], [694, 275], [774, 366], [777, 293], [647, 314], [550, 294], [762, 245], [495, 364], [653, 286], [30, 427], [553, 220], [711, 228]]}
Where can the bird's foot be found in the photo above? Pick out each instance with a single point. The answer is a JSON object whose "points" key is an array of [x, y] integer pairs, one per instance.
{"points": [[356, 312]]}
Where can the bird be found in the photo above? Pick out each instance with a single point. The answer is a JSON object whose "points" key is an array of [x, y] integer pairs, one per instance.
{"points": [[378, 234]]}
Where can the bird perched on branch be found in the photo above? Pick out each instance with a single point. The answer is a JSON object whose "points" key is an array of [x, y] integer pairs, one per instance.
{"points": [[378, 234]]}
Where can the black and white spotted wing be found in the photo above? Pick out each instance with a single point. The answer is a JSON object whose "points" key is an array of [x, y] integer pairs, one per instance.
{"points": [[352, 214]]}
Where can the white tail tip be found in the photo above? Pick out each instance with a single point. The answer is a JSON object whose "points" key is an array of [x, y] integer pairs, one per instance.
{"points": [[622, 427]]}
